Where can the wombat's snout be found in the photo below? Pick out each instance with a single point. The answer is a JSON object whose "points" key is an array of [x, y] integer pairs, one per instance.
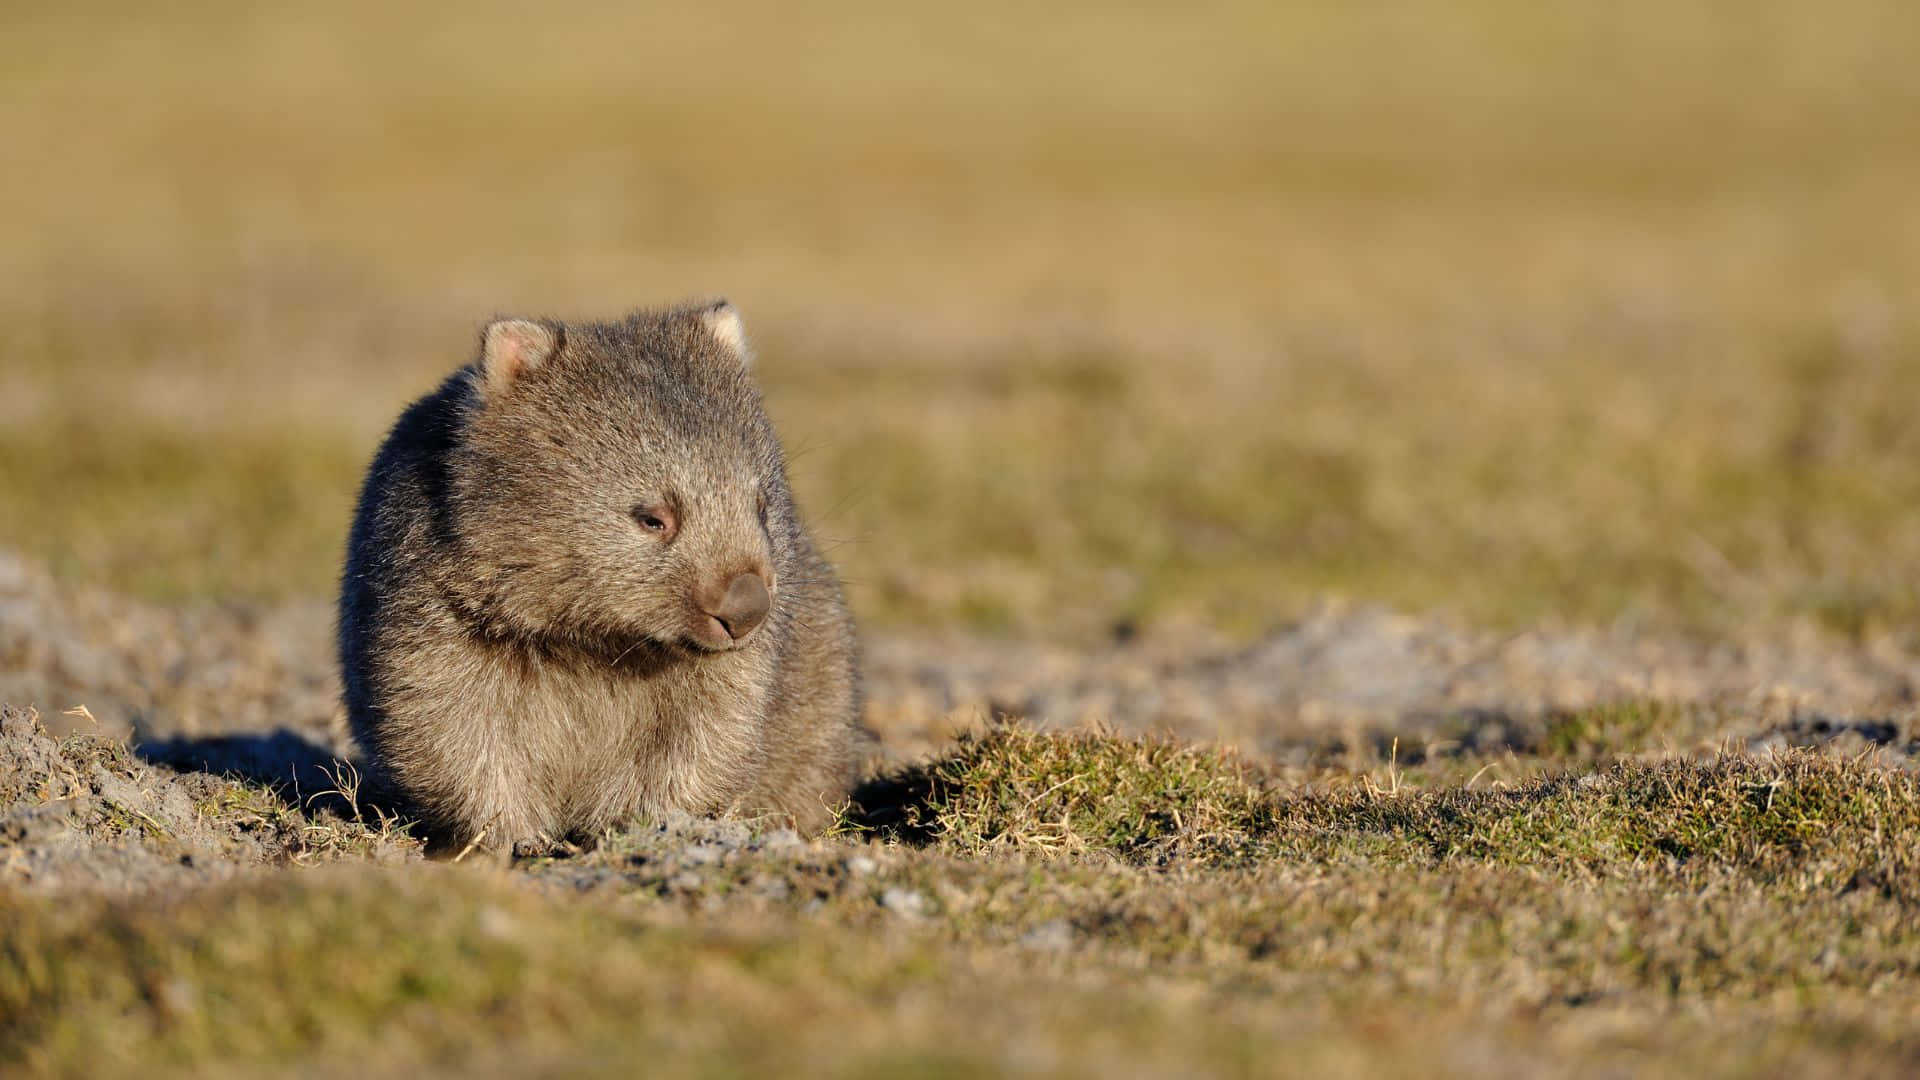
{"points": [[741, 607]]}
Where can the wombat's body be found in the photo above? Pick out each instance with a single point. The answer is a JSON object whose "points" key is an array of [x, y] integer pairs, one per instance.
{"points": [[577, 590]]}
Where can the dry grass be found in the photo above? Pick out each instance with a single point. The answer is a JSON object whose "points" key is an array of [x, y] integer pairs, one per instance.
{"points": [[1067, 905], [1178, 317], [1174, 318]]}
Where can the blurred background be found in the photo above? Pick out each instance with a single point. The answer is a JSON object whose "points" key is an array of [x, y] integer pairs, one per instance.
{"points": [[1176, 318]]}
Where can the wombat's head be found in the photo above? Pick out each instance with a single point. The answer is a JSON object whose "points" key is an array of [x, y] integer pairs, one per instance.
{"points": [[619, 483]]}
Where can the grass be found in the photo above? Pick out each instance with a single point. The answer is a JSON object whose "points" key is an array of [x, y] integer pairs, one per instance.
{"points": [[1172, 319], [1726, 915], [226, 815], [1152, 802], [1012, 788], [1177, 320]]}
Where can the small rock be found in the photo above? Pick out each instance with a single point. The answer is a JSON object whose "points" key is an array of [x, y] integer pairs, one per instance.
{"points": [[908, 902]]}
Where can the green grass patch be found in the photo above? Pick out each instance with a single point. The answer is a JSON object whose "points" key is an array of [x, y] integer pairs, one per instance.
{"points": [[1813, 820]]}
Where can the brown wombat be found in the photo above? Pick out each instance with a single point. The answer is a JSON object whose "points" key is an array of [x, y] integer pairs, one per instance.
{"points": [[577, 590]]}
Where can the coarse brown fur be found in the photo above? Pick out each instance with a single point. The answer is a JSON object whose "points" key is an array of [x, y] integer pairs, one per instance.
{"points": [[537, 632]]}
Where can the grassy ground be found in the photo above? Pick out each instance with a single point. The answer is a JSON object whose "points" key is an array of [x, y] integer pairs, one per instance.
{"points": [[1059, 904], [1596, 325], [1177, 316]]}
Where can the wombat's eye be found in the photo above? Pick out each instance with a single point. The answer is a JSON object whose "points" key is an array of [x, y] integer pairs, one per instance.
{"points": [[762, 510], [658, 520]]}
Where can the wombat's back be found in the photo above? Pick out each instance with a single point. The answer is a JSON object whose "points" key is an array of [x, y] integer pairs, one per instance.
{"points": [[393, 542]]}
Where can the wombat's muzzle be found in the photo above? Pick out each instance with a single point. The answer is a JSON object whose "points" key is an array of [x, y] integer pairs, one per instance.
{"points": [[742, 607]]}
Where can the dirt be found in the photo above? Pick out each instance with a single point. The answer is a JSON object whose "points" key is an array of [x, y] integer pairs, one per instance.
{"points": [[146, 747], [84, 813], [1343, 670]]}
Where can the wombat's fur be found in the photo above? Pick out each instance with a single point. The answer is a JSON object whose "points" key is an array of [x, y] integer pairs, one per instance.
{"points": [[577, 589]]}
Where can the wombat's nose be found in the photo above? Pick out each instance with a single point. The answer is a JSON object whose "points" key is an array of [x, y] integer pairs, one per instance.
{"points": [[743, 606]]}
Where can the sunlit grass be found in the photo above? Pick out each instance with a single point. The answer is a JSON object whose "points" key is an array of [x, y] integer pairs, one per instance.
{"points": [[1168, 318], [1078, 903]]}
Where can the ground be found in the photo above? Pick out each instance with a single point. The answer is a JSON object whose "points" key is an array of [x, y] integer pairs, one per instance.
{"points": [[1398, 845], [1385, 538]]}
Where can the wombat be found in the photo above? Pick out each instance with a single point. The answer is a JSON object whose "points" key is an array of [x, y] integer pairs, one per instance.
{"points": [[577, 590]]}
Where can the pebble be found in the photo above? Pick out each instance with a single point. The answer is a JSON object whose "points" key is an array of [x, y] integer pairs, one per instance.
{"points": [[908, 902]]}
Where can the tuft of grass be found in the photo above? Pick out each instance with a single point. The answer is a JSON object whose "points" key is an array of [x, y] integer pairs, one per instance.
{"points": [[1013, 788], [1797, 820], [1800, 817]]}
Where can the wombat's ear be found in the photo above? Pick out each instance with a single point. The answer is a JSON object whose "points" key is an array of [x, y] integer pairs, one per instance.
{"points": [[722, 320], [509, 348]]}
